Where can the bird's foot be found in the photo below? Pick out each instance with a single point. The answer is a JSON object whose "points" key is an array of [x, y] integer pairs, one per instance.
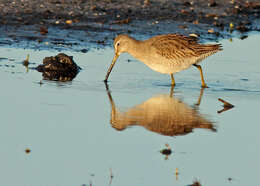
{"points": [[204, 86]]}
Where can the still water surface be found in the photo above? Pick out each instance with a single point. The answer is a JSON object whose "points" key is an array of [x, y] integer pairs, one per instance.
{"points": [[82, 132]]}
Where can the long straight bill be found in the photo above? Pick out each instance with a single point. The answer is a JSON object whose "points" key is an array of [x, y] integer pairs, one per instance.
{"points": [[111, 67]]}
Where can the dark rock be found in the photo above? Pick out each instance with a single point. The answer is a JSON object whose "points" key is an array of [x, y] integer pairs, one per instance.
{"points": [[59, 68]]}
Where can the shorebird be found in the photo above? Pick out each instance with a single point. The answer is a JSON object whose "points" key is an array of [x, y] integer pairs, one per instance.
{"points": [[167, 54]]}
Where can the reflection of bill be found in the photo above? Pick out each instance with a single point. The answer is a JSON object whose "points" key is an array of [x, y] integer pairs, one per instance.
{"points": [[162, 114]]}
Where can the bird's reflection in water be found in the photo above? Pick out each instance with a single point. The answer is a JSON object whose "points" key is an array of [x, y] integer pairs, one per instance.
{"points": [[163, 114]]}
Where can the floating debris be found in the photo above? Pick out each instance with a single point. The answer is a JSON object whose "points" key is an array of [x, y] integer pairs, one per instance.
{"points": [[226, 105], [59, 68], [167, 151], [26, 61], [176, 173], [27, 150]]}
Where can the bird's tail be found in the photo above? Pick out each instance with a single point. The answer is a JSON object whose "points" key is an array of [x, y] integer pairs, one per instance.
{"points": [[204, 51]]}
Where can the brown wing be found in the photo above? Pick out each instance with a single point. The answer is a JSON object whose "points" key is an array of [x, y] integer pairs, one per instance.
{"points": [[204, 51], [178, 48], [174, 46]]}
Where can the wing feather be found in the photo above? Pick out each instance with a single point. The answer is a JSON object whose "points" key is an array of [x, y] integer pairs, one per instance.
{"points": [[179, 48]]}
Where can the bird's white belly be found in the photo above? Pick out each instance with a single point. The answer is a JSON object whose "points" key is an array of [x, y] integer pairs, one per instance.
{"points": [[167, 67]]}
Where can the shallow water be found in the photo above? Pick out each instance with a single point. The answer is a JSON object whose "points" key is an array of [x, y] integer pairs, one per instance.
{"points": [[67, 125]]}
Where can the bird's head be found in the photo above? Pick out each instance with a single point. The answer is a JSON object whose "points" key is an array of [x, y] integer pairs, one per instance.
{"points": [[121, 45]]}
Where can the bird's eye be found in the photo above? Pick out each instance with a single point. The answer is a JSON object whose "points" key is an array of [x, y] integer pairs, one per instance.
{"points": [[118, 44]]}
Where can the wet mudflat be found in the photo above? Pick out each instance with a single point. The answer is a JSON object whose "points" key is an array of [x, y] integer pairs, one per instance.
{"points": [[79, 25], [83, 132]]}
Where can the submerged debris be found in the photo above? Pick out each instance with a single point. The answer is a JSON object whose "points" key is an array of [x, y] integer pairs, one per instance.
{"points": [[226, 105], [59, 68], [27, 150], [166, 151]]}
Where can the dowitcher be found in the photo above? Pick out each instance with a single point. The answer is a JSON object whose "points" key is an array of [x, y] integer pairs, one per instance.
{"points": [[167, 54]]}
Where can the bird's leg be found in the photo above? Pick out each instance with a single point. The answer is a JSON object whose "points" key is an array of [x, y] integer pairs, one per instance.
{"points": [[201, 75], [200, 97], [173, 81]]}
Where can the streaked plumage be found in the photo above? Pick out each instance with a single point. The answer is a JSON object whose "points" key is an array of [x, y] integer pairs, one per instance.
{"points": [[162, 114], [166, 54]]}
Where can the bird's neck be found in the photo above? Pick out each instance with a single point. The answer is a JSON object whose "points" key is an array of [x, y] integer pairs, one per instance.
{"points": [[136, 47]]}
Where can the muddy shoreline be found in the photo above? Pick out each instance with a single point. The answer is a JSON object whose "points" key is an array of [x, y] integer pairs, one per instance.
{"points": [[80, 25]]}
